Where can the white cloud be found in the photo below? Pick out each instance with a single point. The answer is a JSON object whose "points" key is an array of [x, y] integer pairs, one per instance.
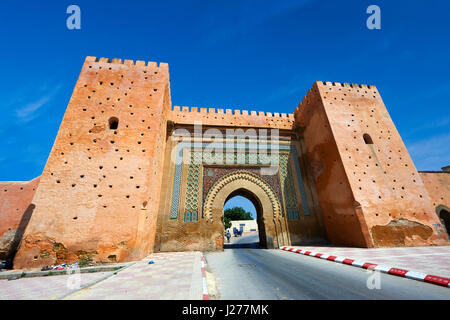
{"points": [[29, 111], [26, 111], [298, 85], [426, 126], [432, 153]]}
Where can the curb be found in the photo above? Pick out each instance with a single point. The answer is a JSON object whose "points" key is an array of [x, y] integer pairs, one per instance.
{"points": [[90, 284], [441, 281], [205, 288], [38, 273]]}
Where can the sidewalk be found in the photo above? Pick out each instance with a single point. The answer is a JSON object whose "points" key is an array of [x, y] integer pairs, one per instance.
{"points": [[42, 288], [173, 276], [430, 260]]}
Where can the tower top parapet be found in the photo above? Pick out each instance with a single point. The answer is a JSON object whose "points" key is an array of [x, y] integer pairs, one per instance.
{"points": [[163, 67]]}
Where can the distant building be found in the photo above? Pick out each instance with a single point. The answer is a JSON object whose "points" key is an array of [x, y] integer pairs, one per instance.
{"points": [[246, 225]]}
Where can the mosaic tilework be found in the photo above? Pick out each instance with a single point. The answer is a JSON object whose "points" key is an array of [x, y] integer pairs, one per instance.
{"points": [[300, 182], [288, 188], [176, 185], [246, 154], [192, 190]]}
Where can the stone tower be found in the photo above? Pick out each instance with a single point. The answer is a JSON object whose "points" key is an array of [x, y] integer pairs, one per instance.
{"points": [[370, 192], [99, 192]]}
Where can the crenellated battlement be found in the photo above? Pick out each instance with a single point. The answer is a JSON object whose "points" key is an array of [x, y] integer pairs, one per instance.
{"points": [[231, 118], [163, 67], [344, 84], [330, 87], [235, 112], [306, 100]]}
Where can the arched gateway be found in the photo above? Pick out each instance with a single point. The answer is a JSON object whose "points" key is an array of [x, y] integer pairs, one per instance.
{"points": [[205, 174], [260, 193], [443, 213]]}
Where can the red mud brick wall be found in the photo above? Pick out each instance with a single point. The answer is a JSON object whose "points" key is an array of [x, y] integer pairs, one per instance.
{"points": [[438, 187]]}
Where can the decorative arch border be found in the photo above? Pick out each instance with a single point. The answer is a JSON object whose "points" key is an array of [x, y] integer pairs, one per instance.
{"points": [[178, 168], [240, 175]]}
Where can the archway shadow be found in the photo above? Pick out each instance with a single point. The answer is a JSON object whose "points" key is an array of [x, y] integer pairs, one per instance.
{"points": [[443, 213], [244, 242], [251, 245]]}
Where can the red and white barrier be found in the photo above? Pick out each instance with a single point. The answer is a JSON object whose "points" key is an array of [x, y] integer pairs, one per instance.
{"points": [[441, 281], [205, 288]]}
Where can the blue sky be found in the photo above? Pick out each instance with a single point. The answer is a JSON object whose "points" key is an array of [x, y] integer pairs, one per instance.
{"points": [[239, 201], [254, 55]]}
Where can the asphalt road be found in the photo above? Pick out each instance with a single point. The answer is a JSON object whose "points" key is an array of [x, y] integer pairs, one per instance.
{"points": [[244, 272]]}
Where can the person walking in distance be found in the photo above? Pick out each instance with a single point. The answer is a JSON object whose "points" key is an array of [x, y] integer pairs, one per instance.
{"points": [[228, 235]]}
